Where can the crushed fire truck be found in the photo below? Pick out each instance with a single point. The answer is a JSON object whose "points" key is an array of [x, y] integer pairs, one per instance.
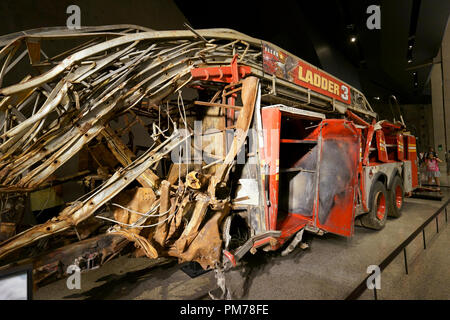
{"points": [[282, 147]]}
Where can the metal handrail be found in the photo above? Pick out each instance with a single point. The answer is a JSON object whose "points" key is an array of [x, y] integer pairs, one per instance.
{"points": [[356, 293]]}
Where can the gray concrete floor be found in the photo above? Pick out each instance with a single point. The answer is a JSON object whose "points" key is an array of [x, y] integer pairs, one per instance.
{"points": [[127, 278], [330, 269], [334, 266]]}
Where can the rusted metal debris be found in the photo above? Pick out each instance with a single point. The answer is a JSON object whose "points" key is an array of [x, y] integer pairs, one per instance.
{"points": [[72, 107]]}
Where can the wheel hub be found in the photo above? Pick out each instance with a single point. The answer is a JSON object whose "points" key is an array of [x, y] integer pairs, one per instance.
{"points": [[398, 197]]}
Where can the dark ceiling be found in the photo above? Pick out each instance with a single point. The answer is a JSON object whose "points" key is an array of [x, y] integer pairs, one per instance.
{"points": [[320, 31], [316, 30]]}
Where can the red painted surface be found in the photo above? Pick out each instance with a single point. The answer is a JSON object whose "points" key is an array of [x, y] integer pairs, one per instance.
{"points": [[381, 146], [398, 197], [390, 125], [356, 119], [220, 74], [360, 169], [369, 138], [230, 257], [230, 113], [271, 119], [341, 216], [289, 226], [381, 206]]}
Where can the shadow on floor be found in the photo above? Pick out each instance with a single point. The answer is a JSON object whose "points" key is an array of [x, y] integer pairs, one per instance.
{"points": [[116, 286]]}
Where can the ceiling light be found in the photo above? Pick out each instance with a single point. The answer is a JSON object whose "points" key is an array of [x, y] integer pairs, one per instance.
{"points": [[353, 39], [410, 47], [376, 98], [409, 60]]}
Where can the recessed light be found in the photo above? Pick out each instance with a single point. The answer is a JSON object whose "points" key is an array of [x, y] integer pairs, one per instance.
{"points": [[353, 39]]}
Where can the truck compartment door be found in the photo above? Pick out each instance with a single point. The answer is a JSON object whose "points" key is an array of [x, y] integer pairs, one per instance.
{"points": [[381, 146], [290, 161], [338, 177]]}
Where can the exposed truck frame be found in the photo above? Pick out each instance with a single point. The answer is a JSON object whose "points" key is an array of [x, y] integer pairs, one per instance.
{"points": [[307, 151]]}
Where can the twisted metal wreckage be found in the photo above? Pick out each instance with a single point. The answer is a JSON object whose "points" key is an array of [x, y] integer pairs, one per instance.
{"points": [[86, 100]]}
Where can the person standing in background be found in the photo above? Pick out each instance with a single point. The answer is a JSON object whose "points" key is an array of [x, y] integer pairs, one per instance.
{"points": [[430, 151], [432, 165]]}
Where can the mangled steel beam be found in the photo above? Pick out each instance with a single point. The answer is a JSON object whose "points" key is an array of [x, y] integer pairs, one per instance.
{"points": [[81, 96], [124, 155], [82, 210]]}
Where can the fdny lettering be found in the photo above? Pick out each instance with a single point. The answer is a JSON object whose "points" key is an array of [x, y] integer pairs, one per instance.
{"points": [[271, 51]]}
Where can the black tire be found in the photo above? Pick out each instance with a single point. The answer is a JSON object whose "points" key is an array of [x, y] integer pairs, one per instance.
{"points": [[376, 217], [396, 194]]}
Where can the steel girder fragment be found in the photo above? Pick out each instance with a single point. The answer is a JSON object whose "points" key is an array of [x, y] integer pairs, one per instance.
{"points": [[80, 211], [48, 119]]}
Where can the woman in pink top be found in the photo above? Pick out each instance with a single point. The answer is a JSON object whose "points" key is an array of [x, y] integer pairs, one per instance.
{"points": [[432, 164]]}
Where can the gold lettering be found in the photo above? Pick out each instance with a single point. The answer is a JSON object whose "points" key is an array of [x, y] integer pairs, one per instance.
{"points": [[336, 90], [308, 77], [300, 74], [331, 86], [324, 84], [317, 80]]}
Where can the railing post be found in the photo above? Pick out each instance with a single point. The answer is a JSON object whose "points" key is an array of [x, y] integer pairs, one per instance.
{"points": [[406, 260], [424, 242], [446, 221]]}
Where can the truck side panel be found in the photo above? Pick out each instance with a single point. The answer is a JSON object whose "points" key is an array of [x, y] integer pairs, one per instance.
{"points": [[339, 162]]}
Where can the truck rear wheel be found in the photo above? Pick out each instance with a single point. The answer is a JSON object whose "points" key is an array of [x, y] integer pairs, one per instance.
{"points": [[376, 217], [396, 198]]}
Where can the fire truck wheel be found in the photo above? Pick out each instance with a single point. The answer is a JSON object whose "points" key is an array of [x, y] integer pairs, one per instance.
{"points": [[376, 217], [396, 198]]}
